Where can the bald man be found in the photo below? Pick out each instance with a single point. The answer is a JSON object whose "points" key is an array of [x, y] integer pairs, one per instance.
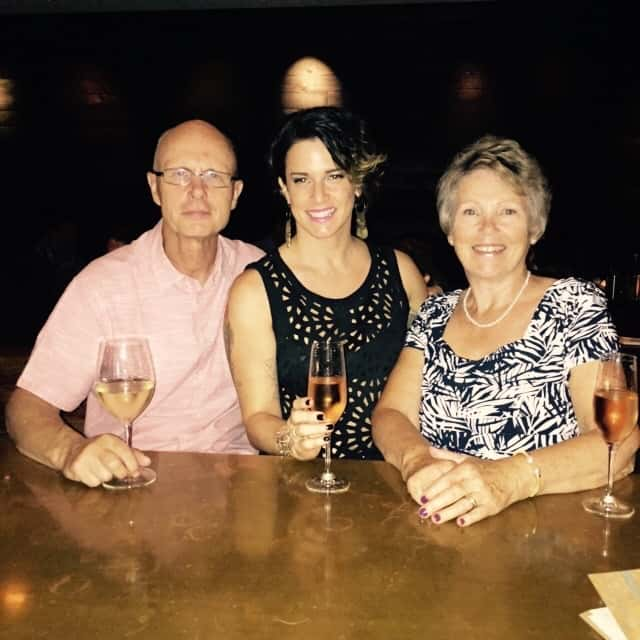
{"points": [[169, 285]]}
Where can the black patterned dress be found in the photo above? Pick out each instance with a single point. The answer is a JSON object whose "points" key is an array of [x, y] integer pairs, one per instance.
{"points": [[372, 321], [516, 398]]}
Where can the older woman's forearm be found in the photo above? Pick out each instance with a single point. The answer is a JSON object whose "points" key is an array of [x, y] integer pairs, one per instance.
{"points": [[580, 464], [399, 441]]}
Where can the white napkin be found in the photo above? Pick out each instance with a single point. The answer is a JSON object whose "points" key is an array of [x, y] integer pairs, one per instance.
{"points": [[620, 592], [602, 621]]}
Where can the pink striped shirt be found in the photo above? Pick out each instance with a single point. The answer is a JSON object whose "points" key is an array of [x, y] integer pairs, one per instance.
{"points": [[136, 290]]}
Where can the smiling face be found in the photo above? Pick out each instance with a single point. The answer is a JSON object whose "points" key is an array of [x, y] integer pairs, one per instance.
{"points": [[490, 232], [195, 211], [320, 194]]}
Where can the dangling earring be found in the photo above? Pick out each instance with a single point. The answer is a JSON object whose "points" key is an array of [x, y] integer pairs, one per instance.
{"points": [[287, 228], [360, 209]]}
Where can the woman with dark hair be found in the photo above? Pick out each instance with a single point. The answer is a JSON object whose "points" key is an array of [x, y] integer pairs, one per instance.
{"points": [[491, 400], [323, 282]]}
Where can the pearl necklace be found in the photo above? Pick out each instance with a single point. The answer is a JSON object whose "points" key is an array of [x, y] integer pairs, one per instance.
{"points": [[503, 315]]}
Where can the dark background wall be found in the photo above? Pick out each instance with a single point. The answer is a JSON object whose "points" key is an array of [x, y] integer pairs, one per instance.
{"points": [[90, 91]]}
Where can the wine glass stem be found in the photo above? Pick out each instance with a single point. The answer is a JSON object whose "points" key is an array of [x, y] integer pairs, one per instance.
{"points": [[327, 475], [608, 496], [128, 434]]}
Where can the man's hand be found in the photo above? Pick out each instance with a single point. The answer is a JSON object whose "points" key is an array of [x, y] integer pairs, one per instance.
{"points": [[93, 461]]}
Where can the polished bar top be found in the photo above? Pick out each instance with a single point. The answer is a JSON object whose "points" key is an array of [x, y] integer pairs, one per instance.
{"points": [[225, 546]]}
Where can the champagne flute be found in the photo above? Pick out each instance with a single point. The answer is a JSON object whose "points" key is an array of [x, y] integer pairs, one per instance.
{"points": [[327, 389], [616, 411], [125, 382]]}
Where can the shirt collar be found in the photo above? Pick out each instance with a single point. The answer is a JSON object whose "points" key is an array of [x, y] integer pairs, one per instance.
{"points": [[166, 274]]}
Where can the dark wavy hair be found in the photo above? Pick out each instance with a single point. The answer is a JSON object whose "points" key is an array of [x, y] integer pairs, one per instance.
{"points": [[343, 133]]}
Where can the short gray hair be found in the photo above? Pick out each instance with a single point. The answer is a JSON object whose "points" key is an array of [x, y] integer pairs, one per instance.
{"points": [[510, 161]]}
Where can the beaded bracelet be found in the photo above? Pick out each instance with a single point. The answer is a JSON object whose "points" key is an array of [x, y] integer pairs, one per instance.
{"points": [[535, 469], [283, 440]]}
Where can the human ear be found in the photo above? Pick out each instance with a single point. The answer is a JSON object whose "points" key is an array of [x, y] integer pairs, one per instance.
{"points": [[283, 190], [534, 236], [238, 185], [152, 180]]}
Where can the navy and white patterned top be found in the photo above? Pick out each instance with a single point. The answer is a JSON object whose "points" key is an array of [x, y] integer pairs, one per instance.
{"points": [[516, 398]]}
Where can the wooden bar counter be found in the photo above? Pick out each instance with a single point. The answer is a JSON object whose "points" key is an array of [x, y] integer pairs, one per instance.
{"points": [[231, 547]]}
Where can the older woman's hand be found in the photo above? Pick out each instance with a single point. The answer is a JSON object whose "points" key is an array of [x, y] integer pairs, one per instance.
{"points": [[308, 430], [463, 488]]}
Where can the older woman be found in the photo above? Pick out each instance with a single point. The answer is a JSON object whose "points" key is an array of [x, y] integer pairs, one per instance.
{"points": [[505, 367], [323, 282]]}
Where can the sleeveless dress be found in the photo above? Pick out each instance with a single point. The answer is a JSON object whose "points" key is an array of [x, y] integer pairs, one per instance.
{"points": [[372, 321], [516, 398]]}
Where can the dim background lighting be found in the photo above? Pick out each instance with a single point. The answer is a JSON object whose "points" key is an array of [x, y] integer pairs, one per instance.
{"points": [[470, 83], [14, 597], [6, 100], [309, 82]]}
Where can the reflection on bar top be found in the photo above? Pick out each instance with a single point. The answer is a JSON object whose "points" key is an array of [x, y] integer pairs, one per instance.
{"points": [[627, 341]]}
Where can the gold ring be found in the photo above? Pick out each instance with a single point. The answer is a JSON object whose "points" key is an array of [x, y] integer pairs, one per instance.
{"points": [[472, 500]]}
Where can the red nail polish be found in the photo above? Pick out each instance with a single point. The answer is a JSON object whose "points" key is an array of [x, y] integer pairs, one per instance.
{"points": [[423, 513], [436, 517], [424, 500], [320, 416], [329, 427], [461, 522]]}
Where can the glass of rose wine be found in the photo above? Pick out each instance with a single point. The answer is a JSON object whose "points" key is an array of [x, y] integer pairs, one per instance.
{"points": [[124, 384], [327, 388], [616, 412]]}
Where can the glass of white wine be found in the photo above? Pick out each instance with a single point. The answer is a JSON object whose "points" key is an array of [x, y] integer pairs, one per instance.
{"points": [[616, 411], [327, 388], [125, 382]]}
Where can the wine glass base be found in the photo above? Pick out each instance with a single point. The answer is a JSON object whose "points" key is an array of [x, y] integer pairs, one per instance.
{"points": [[143, 479], [608, 509], [323, 485]]}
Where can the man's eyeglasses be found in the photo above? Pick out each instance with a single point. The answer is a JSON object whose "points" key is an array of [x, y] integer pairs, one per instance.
{"points": [[182, 177]]}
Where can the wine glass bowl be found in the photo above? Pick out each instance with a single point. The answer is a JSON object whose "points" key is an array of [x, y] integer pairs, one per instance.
{"points": [[329, 395], [616, 414], [327, 388], [124, 385]]}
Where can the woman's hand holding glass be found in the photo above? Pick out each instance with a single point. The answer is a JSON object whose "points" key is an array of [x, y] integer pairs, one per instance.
{"points": [[306, 431]]}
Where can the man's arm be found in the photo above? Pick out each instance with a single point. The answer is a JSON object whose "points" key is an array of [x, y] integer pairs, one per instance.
{"points": [[40, 433]]}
